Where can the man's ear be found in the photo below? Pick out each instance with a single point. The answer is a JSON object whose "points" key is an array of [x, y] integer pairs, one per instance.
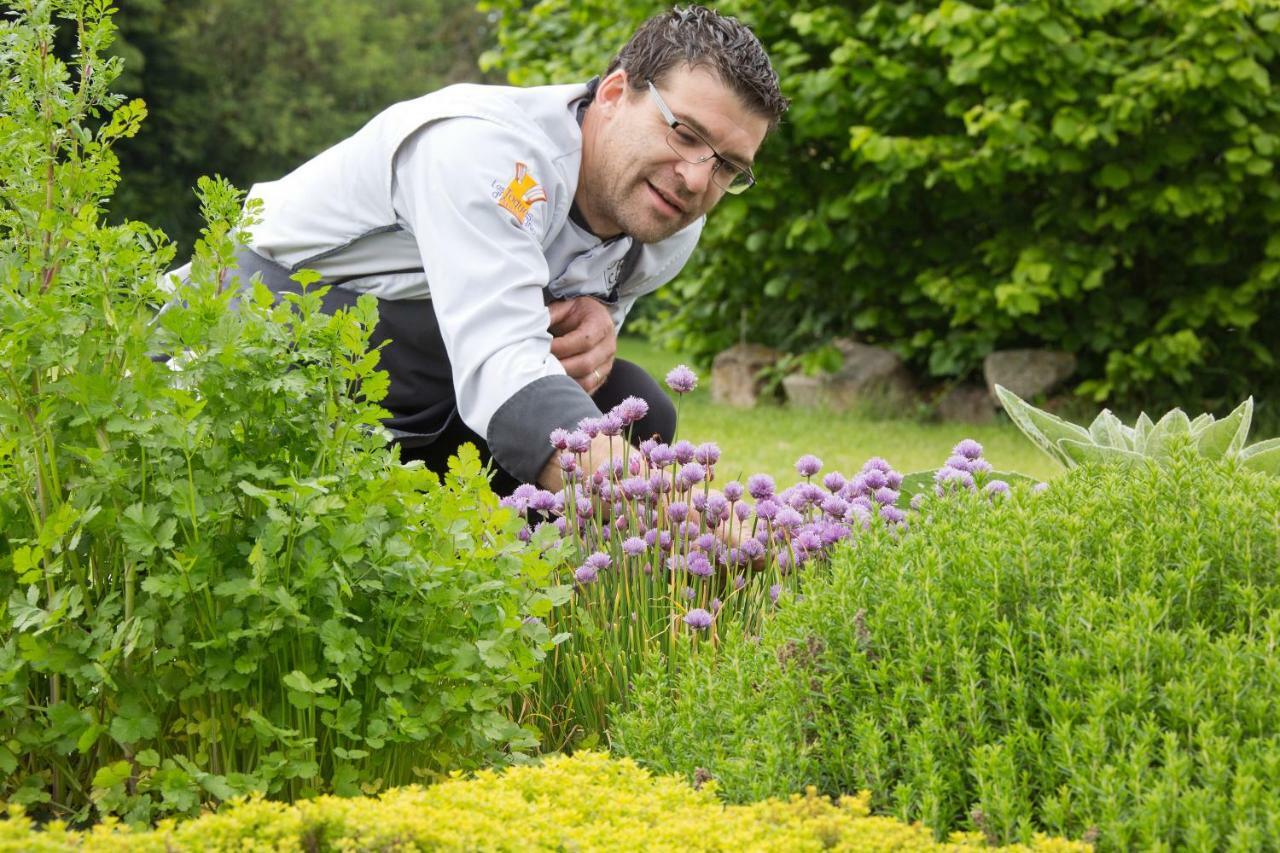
{"points": [[612, 90]]}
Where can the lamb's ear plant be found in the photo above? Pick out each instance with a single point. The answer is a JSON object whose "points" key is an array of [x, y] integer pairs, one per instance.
{"points": [[1109, 439], [215, 578]]}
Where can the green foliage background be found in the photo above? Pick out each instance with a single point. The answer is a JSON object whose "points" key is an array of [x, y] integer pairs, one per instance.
{"points": [[249, 89], [953, 177]]}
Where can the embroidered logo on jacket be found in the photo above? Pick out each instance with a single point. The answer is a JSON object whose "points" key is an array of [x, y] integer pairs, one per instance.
{"points": [[520, 194]]}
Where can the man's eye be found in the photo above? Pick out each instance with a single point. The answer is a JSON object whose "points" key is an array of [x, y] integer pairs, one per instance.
{"points": [[729, 167], [687, 138]]}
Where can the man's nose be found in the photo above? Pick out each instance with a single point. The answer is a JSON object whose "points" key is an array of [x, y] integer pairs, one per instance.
{"points": [[696, 176]]}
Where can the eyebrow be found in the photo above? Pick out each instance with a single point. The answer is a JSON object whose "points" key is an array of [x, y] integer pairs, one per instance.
{"points": [[737, 159]]}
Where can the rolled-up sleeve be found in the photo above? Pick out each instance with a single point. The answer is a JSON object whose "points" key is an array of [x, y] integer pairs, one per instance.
{"points": [[478, 198]]}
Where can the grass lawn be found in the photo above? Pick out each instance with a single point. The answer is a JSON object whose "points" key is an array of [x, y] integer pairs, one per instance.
{"points": [[769, 439]]}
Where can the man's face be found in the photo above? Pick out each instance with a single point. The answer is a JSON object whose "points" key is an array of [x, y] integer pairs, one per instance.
{"points": [[638, 184]]}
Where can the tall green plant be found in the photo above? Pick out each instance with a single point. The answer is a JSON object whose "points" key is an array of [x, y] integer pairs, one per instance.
{"points": [[957, 177], [214, 576]]}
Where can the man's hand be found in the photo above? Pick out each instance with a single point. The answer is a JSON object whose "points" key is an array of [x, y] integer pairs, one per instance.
{"points": [[583, 339]]}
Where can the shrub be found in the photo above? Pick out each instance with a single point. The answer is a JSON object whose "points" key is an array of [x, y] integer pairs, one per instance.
{"points": [[587, 802], [214, 577], [955, 177], [1099, 660]]}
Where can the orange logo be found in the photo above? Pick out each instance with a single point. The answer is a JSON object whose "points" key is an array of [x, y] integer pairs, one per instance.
{"points": [[521, 193]]}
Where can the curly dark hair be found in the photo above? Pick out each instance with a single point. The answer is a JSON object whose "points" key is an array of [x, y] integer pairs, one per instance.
{"points": [[698, 37]]}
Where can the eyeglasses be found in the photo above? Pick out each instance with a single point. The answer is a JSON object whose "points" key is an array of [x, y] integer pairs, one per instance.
{"points": [[693, 148]]}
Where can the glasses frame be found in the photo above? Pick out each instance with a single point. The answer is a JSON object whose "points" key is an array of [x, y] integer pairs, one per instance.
{"points": [[673, 123]]}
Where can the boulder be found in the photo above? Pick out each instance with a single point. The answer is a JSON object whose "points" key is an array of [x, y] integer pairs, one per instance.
{"points": [[967, 404], [734, 373], [869, 376], [1029, 373]]}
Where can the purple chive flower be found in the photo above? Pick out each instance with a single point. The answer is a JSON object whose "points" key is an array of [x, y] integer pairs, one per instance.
{"points": [[834, 481], [1038, 488], [631, 409], [578, 441], [951, 478], [699, 565], [684, 451], [664, 541], [584, 508], [958, 462], [968, 448], [789, 518], [886, 496], [635, 487], [699, 502], [716, 604], [733, 491], [707, 453], [834, 506], [760, 486], [717, 504], [705, 543], [646, 447], [767, 510], [542, 501], [598, 561], [525, 534], [620, 523], [660, 483], [561, 525], [893, 479], [611, 425], [651, 537], [917, 500], [979, 466], [808, 540], [678, 511], [662, 456], [876, 463], [693, 473], [559, 438], [586, 574], [997, 487], [739, 582], [590, 426], [808, 465], [892, 514], [698, 619], [689, 593], [681, 379], [874, 479], [742, 512], [568, 463], [633, 546], [775, 592]]}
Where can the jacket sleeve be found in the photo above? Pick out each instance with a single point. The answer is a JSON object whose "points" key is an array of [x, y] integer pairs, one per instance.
{"points": [[479, 197]]}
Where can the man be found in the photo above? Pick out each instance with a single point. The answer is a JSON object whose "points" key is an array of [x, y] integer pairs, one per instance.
{"points": [[507, 232]]}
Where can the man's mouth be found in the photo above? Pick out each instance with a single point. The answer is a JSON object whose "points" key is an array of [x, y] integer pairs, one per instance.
{"points": [[665, 200]]}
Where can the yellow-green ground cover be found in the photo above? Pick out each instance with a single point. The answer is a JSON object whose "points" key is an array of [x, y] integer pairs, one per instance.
{"points": [[586, 802]]}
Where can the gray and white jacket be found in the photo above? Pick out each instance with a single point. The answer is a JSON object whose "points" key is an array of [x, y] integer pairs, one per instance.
{"points": [[463, 197]]}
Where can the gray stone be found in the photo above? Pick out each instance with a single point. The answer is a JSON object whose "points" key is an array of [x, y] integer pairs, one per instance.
{"points": [[1029, 373], [868, 377], [967, 404], [734, 374]]}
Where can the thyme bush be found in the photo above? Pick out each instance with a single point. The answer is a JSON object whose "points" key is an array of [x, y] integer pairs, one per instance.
{"points": [[214, 577], [1100, 660]]}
